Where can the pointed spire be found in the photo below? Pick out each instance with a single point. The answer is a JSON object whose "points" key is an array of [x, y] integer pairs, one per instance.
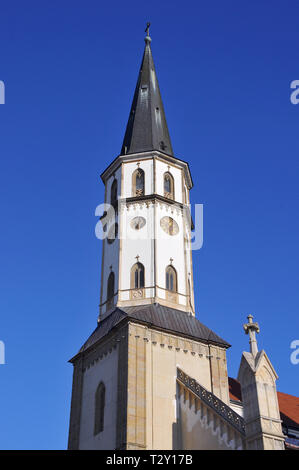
{"points": [[147, 127]]}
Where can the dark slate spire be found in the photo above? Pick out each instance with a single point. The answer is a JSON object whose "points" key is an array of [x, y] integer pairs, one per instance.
{"points": [[147, 128]]}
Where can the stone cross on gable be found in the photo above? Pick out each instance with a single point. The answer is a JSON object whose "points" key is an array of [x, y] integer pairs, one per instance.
{"points": [[252, 328]]}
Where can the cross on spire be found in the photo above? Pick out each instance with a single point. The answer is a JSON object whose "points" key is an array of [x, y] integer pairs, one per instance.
{"points": [[147, 38], [252, 328], [147, 28], [137, 257]]}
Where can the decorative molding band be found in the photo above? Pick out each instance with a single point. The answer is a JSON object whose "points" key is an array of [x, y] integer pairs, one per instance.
{"points": [[153, 198], [175, 343]]}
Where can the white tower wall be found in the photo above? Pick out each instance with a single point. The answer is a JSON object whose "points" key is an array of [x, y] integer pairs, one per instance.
{"points": [[150, 245]]}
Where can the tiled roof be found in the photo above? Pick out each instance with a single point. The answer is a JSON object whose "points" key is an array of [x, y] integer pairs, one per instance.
{"points": [[288, 404], [159, 317], [289, 409], [234, 389]]}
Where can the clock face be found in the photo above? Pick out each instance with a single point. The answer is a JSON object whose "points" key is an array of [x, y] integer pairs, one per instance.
{"points": [[169, 226], [138, 222]]}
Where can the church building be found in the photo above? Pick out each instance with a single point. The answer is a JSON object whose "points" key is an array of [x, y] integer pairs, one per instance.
{"points": [[151, 375]]}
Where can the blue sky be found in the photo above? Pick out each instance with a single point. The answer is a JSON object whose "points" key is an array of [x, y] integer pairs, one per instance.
{"points": [[70, 69]]}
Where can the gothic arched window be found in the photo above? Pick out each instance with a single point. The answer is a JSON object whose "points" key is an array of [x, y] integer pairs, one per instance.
{"points": [[113, 233], [168, 185], [138, 182], [137, 276], [171, 279], [99, 409], [113, 196], [110, 286]]}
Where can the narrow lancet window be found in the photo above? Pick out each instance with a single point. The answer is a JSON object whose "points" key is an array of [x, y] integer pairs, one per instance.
{"points": [[168, 186], [110, 286], [99, 409], [138, 182], [137, 276], [113, 198], [171, 279]]}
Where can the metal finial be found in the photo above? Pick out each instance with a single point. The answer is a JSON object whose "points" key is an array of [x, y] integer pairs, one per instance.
{"points": [[147, 37]]}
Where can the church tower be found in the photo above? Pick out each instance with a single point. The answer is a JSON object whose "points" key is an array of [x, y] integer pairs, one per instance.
{"points": [[124, 383], [146, 257]]}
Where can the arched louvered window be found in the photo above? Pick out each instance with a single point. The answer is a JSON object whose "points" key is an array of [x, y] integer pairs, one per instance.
{"points": [[138, 182], [168, 185], [137, 276], [113, 197], [171, 279], [110, 286], [99, 409]]}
